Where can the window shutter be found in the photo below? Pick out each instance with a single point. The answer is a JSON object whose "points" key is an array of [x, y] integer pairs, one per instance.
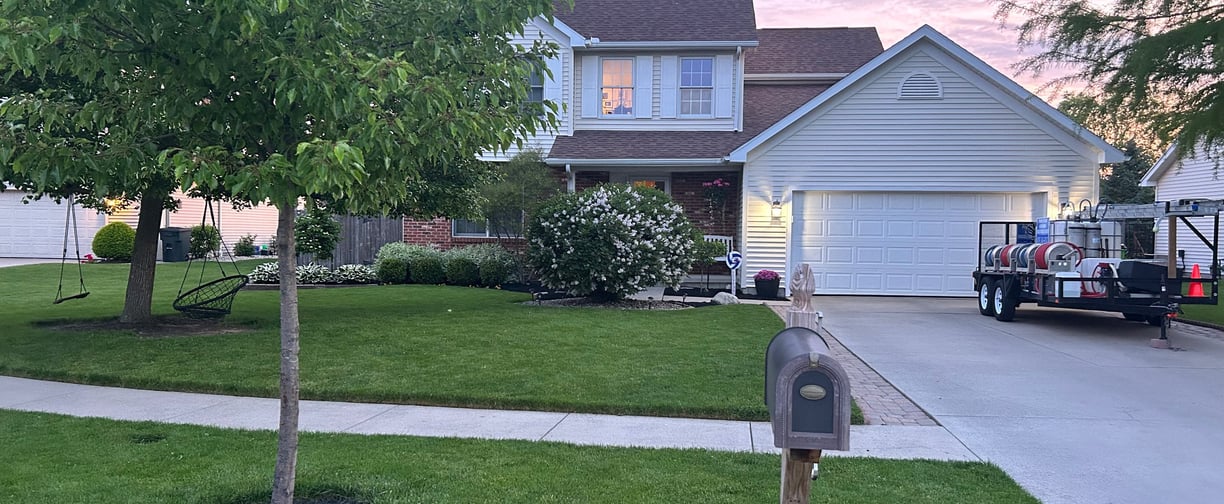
{"points": [[590, 86], [670, 82], [643, 87], [552, 85], [724, 77]]}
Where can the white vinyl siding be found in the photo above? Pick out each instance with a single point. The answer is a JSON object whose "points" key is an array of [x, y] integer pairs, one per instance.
{"points": [[1192, 178], [975, 140], [36, 230], [557, 90]]}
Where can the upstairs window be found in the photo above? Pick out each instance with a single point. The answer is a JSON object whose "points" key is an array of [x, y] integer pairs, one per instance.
{"points": [[616, 88], [696, 86], [535, 83]]}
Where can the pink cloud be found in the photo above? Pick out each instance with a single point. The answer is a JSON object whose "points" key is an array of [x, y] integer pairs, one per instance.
{"points": [[970, 23]]}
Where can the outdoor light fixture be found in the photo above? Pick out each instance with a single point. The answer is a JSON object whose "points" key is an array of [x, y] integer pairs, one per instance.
{"points": [[775, 209]]}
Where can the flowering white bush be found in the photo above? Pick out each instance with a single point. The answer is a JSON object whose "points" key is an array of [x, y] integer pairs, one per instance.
{"points": [[354, 274], [313, 274], [610, 241], [266, 273]]}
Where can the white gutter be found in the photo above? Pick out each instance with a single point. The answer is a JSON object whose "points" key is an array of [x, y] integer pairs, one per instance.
{"points": [[637, 162], [596, 44]]}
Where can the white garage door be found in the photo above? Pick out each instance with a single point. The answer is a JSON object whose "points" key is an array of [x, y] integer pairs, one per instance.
{"points": [[36, 230], [902, 244]]}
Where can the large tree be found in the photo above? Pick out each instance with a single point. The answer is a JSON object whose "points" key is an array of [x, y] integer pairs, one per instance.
{"points": [[350, 102], [65, 136], [1158, 61]]}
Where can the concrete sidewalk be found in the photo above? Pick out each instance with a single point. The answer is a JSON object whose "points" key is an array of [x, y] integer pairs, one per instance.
{"points": [[359, 418]]}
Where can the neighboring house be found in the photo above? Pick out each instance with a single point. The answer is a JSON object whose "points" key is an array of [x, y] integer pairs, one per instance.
{"points": [[36, 230], [872, 166], [1195, 177]]}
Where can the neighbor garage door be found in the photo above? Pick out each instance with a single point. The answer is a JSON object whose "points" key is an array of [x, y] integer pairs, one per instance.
{"points": [[900, 244], [36, 230]]}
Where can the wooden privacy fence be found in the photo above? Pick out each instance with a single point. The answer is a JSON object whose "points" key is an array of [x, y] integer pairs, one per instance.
{"points": [[360, 239]]}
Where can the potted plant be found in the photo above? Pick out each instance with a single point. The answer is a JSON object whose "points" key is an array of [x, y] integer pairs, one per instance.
{"points": [[766, 282]]}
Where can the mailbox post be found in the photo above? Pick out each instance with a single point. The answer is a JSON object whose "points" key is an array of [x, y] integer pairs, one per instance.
{"points": [[807, 394]]}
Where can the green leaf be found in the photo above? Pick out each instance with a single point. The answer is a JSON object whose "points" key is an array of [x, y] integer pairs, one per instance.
{"points": [[282, 6]]}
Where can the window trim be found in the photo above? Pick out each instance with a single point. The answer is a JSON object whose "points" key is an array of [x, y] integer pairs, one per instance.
{"points": [[680, 87], [632, 87]]}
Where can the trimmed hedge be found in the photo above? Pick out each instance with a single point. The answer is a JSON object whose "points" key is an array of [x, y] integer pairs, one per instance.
{"points": [[462, 271], [115, 241], [426, 270], [392, 270]]}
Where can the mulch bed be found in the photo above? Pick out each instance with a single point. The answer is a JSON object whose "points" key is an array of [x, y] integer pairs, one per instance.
{"points": [[699, 292], [164, 326], [624, 304]]}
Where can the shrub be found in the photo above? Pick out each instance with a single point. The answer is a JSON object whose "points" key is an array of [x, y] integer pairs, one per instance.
{"points": [[266, 273], [426, 270], [406, 253], [392, 270], [462, 271], [245, 246], [204, 240], [610, 241], [115, 241], [313, 274], [354, 274], [708, 252], [494, 272], [317, 233]]}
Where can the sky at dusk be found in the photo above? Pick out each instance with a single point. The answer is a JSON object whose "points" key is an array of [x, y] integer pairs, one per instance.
{"points": [[970, 23]]}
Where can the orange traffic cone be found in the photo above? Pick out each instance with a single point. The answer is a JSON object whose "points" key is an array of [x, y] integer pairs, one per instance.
{"points": [[1196, 288]]}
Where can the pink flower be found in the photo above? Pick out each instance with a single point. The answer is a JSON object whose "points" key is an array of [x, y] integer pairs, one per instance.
{"points": [[766, 275]]}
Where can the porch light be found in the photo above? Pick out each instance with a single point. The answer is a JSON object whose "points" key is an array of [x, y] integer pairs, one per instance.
{"points": [[775, 209]]}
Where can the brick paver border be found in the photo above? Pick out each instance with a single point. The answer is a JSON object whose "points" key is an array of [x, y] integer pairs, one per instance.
{"points": [[881, 402]]}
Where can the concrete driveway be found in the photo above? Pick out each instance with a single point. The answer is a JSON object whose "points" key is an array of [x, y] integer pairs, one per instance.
{"points": [[1072, 404]]}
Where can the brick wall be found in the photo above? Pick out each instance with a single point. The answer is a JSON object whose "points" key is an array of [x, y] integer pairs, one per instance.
{"points": [[587, 180], [687, 190]]}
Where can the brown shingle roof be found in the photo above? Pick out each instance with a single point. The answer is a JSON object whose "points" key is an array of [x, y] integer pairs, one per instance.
{"points": [[812, 50], [764, 105], [660, 20]]}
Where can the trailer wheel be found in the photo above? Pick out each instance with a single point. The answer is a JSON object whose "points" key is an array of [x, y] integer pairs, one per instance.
{"points": [[1135, 317], [1004, 304], [986, 297]]}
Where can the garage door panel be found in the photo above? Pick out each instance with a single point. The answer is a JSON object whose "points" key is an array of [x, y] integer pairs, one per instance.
{"points": [[839, 255], [870, 255], [841, 227], [872, 228], [36, 229], [901, 229], [897, 243]]}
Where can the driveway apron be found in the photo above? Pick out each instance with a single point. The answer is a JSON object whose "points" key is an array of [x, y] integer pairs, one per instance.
{"points": [[1073, 404]]}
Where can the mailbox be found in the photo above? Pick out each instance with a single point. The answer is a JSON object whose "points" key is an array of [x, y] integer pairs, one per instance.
{"points": [[807, 393]]}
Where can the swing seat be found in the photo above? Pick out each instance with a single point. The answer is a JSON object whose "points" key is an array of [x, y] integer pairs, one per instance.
{"points": [[81, 295], [212, 299]]}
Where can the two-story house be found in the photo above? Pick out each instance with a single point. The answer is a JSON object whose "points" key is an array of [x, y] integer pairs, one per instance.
{"points": [[873, 166]]}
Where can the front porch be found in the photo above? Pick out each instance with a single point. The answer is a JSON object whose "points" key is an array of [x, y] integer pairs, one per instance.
{"points": [[710, 197]]}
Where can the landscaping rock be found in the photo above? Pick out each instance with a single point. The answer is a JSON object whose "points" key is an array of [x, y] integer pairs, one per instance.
{"points": [[725, 298]]}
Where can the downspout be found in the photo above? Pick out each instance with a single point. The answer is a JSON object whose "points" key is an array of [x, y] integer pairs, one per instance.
{"points": [[569, 179], [739, 118]]}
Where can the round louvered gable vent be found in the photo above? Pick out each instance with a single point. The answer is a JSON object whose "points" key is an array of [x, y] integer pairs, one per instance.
{"points": [[920, 86]]}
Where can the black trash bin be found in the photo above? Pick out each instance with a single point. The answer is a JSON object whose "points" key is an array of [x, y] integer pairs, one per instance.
{"points": [[176, 242]]}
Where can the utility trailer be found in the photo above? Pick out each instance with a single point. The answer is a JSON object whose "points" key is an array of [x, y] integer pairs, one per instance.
{"points": [[1085, 271]]}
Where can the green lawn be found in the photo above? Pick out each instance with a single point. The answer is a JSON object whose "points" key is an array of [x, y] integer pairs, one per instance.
{"points": [[51, 458], [408, 344], [1213, 314]]}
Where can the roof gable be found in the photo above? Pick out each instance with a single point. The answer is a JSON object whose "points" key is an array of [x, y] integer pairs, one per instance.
{"points": [[660, 20], [1056, 122]]}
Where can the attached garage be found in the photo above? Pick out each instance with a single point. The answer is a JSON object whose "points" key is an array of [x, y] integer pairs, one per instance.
{"points": [[36, 230], [879, 183], [897, 243]]}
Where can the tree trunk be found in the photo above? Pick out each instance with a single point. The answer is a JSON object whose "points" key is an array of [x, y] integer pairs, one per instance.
{"points": [[138, 303], [287, 438]]}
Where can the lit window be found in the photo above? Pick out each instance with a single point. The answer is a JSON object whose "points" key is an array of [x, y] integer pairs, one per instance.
{"points": [[617, 87], [696, 86]]}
